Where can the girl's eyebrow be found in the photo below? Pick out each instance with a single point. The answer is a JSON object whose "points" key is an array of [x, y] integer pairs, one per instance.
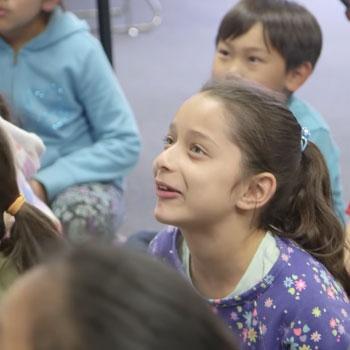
{"points": [[172, 127], [195, 133], [205, 137]]}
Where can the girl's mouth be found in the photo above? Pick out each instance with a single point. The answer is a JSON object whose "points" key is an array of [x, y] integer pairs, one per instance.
{"points": [[165, 191]]}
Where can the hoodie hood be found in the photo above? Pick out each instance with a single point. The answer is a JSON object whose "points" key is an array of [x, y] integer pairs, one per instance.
{"points": [[61, 25]]}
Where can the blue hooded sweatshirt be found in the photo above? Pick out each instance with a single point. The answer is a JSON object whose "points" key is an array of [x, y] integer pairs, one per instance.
{"points": [[61, 86]]}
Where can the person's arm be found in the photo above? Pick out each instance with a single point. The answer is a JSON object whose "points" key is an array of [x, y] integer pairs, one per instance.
{"points": [[117, 143], [331, 154], [27, 148]]}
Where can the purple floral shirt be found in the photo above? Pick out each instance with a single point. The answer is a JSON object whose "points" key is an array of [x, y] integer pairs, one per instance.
{"points": [[298, 305]]}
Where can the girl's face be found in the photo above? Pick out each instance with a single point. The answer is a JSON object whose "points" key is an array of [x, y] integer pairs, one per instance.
{"points": [[22, 17], [197, 174]]}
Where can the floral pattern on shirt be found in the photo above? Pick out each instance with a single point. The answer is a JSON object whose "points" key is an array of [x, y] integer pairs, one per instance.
{"points": [[297, 306]]}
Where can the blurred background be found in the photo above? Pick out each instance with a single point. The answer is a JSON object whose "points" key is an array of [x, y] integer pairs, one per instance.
{"points": [[162, 52]]}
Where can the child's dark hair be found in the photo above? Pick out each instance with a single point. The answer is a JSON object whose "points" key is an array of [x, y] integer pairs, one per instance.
{"points": [[269, 137], [288, 27], [119, 299], [32, 232], [4, 110]]}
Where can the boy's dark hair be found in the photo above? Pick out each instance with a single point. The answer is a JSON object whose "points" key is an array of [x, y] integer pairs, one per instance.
{"points": [[32, 232], [269, 138], [288, 27], [119, 299]]}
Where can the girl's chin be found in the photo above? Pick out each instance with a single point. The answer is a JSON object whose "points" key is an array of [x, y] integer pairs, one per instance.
{"points": [[163, 218]]}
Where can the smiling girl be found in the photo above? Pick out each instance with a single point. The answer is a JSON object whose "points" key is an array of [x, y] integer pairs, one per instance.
{"points": [[253, 229]]}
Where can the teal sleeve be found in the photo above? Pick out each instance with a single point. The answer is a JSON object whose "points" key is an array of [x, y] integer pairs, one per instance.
{"points": [[116, 144]]}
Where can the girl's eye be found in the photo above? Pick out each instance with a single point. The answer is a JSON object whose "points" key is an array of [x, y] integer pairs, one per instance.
{"points": [[168, 141], [197, 150]]}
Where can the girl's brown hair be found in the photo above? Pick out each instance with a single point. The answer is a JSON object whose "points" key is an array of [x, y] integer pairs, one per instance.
{"points": [[269, 137], [32, 232]]}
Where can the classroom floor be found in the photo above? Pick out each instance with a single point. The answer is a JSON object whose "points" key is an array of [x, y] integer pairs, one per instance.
{"points": [[158, 69]]}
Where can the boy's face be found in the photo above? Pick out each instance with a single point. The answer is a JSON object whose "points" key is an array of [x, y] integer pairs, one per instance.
{"points": [[247, 56]]}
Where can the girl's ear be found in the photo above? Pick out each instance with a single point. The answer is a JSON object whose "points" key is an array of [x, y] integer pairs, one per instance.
{"points": [[260, 189], [49, 5]]}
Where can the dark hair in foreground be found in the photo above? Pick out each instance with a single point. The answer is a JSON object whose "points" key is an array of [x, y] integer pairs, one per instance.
{"points": [[288, 27], [119, 299], [33, 232], [269, 138], [4, 110]]}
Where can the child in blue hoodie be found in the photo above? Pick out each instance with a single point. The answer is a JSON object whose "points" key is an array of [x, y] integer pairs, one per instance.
{"points": [[62, 87]]}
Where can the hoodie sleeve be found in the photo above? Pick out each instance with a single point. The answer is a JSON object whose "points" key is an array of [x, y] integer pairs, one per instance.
{"points": [[27, 148], [116, 140]]}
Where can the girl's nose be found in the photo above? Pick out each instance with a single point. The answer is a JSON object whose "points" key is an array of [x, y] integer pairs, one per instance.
{"points": [[164, 161]]}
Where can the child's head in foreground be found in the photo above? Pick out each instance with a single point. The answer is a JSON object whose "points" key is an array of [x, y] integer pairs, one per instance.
{"points": [[273, 42], [222, 167], [103, 298]]}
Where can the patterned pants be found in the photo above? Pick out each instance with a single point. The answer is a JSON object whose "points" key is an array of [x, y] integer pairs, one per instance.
{"points": [[93, 210]]}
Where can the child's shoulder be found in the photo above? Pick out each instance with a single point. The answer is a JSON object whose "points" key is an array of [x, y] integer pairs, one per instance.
{"points": [[163, 241], [308, 301], [297, 304], [307, 115], [314, 306], [304, 278], [165, 246]]}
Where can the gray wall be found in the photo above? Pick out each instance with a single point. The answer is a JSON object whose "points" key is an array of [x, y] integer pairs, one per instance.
{"points": [[159, 69]]}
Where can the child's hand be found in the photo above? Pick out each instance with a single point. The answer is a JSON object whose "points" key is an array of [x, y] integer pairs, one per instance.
{"points": [[38, 189]]}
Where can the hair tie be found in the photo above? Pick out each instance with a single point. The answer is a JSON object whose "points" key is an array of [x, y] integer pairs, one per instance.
{"points": [[14, 208], [305, 136]]}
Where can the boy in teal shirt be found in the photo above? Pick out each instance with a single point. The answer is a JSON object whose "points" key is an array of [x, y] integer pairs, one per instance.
{"points": [[277, 44]]}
